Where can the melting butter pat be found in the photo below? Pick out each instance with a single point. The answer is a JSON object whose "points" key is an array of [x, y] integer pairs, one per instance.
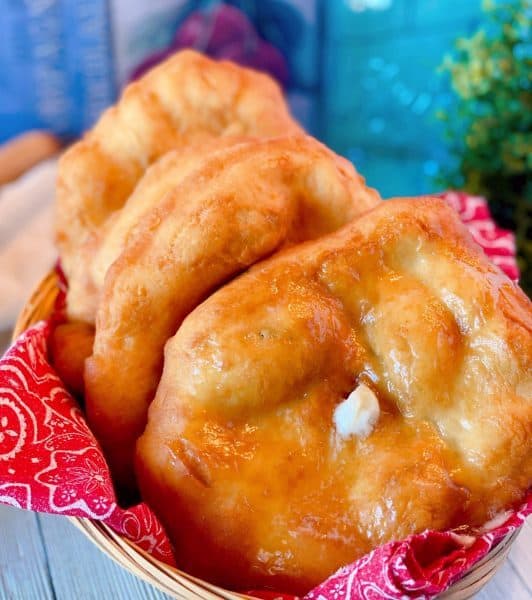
{"points": [[357, 414]]}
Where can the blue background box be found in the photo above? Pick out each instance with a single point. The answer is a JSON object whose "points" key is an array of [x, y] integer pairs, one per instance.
{"points": [[362, 73]]}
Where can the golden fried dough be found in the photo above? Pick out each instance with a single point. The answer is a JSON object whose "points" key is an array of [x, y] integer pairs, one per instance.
{"points": [[111, 238], [70, 344], [343, 393], [186, 99], [245, 203]]}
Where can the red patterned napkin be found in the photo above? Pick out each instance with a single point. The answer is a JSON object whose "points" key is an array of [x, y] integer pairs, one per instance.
{"points": [[497, 243], [49, 459], [51, 462]]}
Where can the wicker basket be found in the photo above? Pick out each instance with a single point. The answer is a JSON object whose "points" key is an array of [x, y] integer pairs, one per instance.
{"points": [[177, 583]]}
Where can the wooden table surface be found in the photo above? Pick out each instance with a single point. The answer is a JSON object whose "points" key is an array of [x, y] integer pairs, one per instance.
{"points": [[44, 557]]}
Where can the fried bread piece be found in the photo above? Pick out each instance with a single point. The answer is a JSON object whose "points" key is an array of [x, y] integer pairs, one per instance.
{"points": [[187, 99], [244, 203], [70, 344], [341, 394], [107, 243]]}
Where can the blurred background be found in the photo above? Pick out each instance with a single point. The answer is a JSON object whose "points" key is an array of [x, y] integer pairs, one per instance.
{"points": [[422, 95]]}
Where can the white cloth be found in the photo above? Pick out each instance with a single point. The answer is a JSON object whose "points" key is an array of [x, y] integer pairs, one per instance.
{"points": [[26, 238]]}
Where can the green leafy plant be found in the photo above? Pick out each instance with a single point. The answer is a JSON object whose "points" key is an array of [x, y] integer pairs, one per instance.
{"points": [[490, 126]]}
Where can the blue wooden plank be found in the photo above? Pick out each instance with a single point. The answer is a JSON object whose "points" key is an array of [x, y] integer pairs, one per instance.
{"points": [[79, 570], [23, 568]]}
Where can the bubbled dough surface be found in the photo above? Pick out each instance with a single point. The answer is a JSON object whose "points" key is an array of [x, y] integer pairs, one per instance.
{"points": [[240, 204], [240, 458], [185, 100]]}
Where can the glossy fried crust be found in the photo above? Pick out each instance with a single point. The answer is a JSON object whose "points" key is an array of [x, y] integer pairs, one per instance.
{"points": [[186, 99], [70, 344], [108, 242], [241, 204], [240, 457]]}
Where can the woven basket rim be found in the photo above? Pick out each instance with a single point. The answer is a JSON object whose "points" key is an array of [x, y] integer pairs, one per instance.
{"points": [[173, 581]]}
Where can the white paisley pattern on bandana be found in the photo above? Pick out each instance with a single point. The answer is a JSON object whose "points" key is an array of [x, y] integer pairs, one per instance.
{"points": [[49, 459]]}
